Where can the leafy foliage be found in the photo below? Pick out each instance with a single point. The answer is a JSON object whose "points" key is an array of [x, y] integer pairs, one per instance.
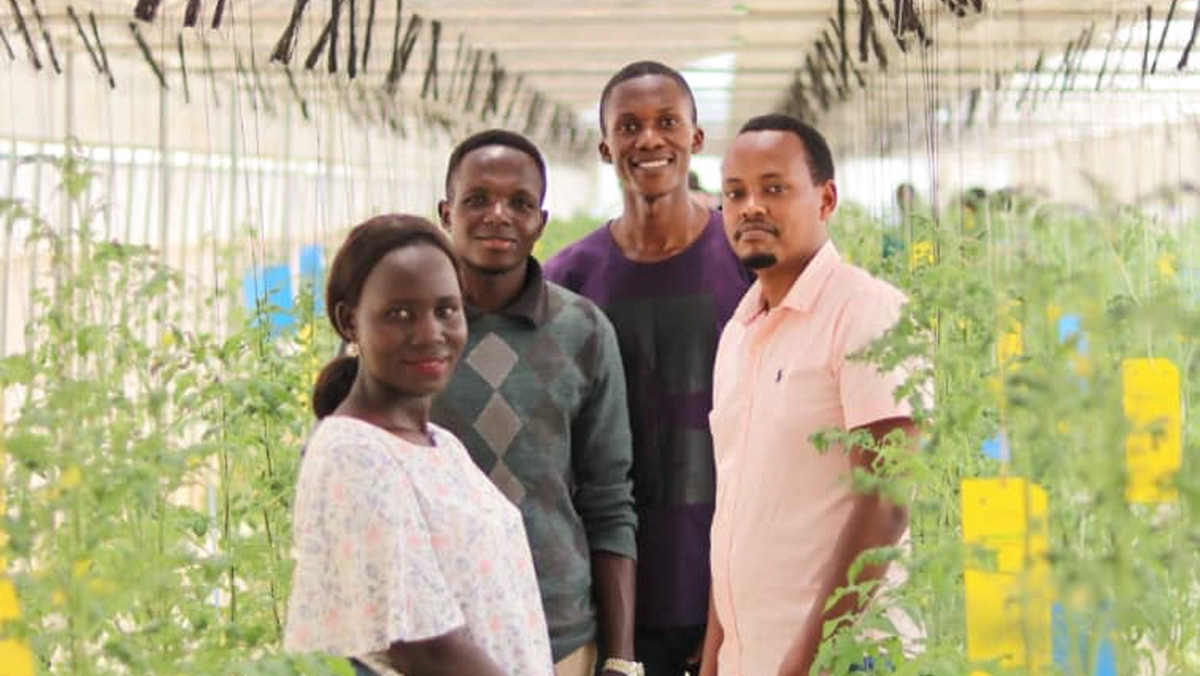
{"points": [[151, 468], [1002, 268], [152, 462]]}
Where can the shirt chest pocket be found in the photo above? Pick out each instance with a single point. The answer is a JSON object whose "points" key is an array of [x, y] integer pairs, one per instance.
{"points": [[803, 400]]}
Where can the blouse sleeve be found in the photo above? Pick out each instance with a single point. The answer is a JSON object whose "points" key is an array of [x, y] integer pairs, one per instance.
{"points": [[366, 571]]}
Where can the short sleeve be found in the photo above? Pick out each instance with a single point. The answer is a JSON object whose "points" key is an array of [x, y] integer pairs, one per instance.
{"points": [[366, 571], [868, 394]]}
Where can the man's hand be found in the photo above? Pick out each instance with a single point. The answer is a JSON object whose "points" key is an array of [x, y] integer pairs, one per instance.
{"points": [[873, 522]]}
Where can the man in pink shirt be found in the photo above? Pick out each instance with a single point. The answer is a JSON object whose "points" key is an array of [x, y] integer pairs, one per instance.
{"points": [[788, 524]]}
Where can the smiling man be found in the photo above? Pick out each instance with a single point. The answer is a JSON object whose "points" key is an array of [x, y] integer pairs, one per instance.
{"points": [[788, 525], [539, 401], [664, 274]]}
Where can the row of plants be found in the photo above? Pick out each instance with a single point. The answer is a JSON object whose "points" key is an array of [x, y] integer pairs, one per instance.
{"points": [[1029, 320], [150, 462]]}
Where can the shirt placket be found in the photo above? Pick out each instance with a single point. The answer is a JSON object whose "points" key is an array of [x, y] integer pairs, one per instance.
{"points": [[757, 334]]}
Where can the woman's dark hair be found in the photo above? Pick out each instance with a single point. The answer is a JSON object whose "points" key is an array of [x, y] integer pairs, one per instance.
{"points": [[364, 247]]}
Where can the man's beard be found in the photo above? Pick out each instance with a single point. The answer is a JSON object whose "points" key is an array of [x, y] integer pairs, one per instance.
{"points": [[759, 261]]}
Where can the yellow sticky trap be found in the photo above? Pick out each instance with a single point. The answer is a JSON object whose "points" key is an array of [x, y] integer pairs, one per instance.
{"points": [[1010, 345], [9, 609], [1009, 603], [312, 363], [1153, 449], [15, 659], [1166, 266], [921, 254]]}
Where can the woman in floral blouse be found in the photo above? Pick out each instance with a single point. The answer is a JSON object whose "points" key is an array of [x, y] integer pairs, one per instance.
{"points": [[408, 559]]}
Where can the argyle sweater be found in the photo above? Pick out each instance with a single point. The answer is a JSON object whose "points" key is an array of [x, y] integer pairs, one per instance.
{"points": [[538, 399]]}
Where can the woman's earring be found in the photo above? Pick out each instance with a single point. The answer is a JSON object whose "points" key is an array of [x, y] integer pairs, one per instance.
{"points": [[352, 350]]}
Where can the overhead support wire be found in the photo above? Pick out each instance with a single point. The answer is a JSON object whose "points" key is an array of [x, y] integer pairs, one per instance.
{"points": [[459, 48], [839, 27], [1162, 39], [286, 45], [41, 21], [23, 29], [112, 83], [1125, 49], [469, 105], [191, 15], [491, 101], [369, 31], [972, 107], [817, 79], [218, 14], [533, 114], [352, 57], [1187, 50], [431, 75], [291, 79], [1032, 75], [868, 36], [1146, 50], [402, 49], [335, 19], [1112, 39], [212, 73], [87, 44], [7, 47], [145, 10], [1073, 59], [187, 95], [148, 54], [512, 100]]}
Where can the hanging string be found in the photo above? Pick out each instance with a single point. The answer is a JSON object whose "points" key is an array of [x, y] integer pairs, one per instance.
{"points": [[191, 15], [84, 39], [1187, 49], [187, 94], [1112, 38], [1163, 37], [41, 21], [23, 29], [367, 36], [148, 55], [107, 70], [218, 14], [287, 41]]}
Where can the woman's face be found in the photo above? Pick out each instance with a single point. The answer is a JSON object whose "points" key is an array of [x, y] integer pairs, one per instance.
{"points": [[409, 323]]}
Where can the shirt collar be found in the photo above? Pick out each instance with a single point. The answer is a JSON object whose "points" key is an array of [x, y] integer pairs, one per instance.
{"points": [[531, 304], [803, 294]]}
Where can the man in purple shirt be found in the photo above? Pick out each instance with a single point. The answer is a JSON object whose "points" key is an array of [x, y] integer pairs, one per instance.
{"points": [[666, 277]]}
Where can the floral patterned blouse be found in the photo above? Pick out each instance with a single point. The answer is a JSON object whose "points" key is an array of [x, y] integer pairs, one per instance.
{"points": [[399, 542]]}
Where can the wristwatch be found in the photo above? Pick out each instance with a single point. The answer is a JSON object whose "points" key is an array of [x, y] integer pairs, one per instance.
{"points": [[623, 667]]}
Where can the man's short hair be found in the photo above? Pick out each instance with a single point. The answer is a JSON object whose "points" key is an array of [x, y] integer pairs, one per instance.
{"points": [[641, 69], [820, 159], [495, 137]]}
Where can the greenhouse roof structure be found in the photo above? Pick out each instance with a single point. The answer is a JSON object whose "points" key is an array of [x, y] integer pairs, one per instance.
{"points": [[857, 66]]}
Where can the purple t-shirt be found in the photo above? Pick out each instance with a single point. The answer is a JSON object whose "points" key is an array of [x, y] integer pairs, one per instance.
{"points": [[668, 316]]}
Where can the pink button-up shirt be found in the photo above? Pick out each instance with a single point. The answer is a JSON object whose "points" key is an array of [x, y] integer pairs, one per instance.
{"points": [[780, 376]]}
